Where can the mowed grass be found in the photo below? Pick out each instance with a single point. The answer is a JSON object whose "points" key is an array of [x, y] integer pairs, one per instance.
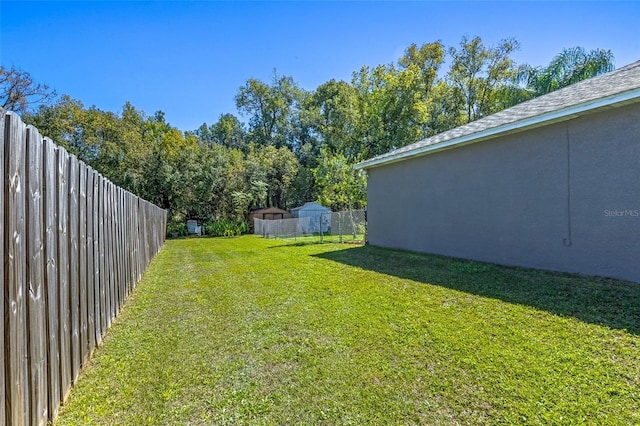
{"points": [[253, 331]]}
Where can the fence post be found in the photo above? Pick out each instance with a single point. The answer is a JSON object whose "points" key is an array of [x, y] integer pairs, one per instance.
{"points": [[366, 228]]}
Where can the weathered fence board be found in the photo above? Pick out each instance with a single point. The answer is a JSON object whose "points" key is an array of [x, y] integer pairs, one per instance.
{"points": [[138, 231], [118, 246], [136, 241], [104, 272], [96, 258], [51, 275], [15, 321], [91, 325], [64, 291], [131, 242], [74, 266], [111, 254], [2, 292], [123, 245], [82, 259], [36, 308], [72, 251]]}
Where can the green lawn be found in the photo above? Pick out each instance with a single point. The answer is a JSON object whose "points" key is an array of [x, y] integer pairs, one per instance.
{"points": [[253, 331]]}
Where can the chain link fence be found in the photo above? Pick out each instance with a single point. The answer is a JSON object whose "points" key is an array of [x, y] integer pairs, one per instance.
{"points": [[340, 227]]}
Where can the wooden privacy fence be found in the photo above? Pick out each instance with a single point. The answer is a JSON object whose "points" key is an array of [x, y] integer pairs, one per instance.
{"points": [[74, 245]]}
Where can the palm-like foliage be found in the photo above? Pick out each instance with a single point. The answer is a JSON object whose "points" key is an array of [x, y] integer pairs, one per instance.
{"points": [[568, 67]]}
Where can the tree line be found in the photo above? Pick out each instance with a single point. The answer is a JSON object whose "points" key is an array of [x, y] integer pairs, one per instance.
{"points": [[294, 145]]}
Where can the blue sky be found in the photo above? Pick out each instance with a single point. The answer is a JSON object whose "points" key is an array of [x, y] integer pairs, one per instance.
{"points": [[189, 58]]}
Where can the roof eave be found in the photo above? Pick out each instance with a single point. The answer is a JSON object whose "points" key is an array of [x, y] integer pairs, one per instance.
{"points": [[545, 119]]}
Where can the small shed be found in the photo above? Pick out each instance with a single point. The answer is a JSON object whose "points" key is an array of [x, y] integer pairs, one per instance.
{"points": [[314, 218], [269, 213]]}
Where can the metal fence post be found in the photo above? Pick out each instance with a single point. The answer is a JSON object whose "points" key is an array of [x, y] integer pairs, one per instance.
{"points": [[366, 228]]}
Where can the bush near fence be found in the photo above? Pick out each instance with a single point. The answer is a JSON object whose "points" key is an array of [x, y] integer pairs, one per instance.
{"points": [[346, 226], [74, 246]]}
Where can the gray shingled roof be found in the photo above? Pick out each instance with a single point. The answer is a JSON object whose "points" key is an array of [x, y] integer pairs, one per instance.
{"points": [[597, 92]]}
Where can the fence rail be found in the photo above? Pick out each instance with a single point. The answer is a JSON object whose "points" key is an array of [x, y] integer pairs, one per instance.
{"points": [[74, 245], [346, 226]]}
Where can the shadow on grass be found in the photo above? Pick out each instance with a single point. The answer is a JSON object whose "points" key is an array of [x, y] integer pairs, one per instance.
{"points": [[595, 300]]}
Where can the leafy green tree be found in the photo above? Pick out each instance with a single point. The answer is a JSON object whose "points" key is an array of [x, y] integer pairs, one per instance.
{"points": [[229, 131], [303, 188], [163, 180], [173, 173], [134, 149], [62, 122], [444, 110], [224, 172], [384, 107], [107, 142], [204, 134], [428, 59], [393, 110], [277, 167], [334, 113], [340, 186], [109, 145], [271, 110], [479, 74], [259, 192], [241, 202]]}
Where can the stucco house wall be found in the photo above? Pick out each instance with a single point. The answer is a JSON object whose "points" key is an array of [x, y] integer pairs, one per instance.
{"points": [[564, 196]]}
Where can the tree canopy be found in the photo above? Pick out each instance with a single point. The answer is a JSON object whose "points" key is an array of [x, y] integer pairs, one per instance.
{"points": [[286, 145]]}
